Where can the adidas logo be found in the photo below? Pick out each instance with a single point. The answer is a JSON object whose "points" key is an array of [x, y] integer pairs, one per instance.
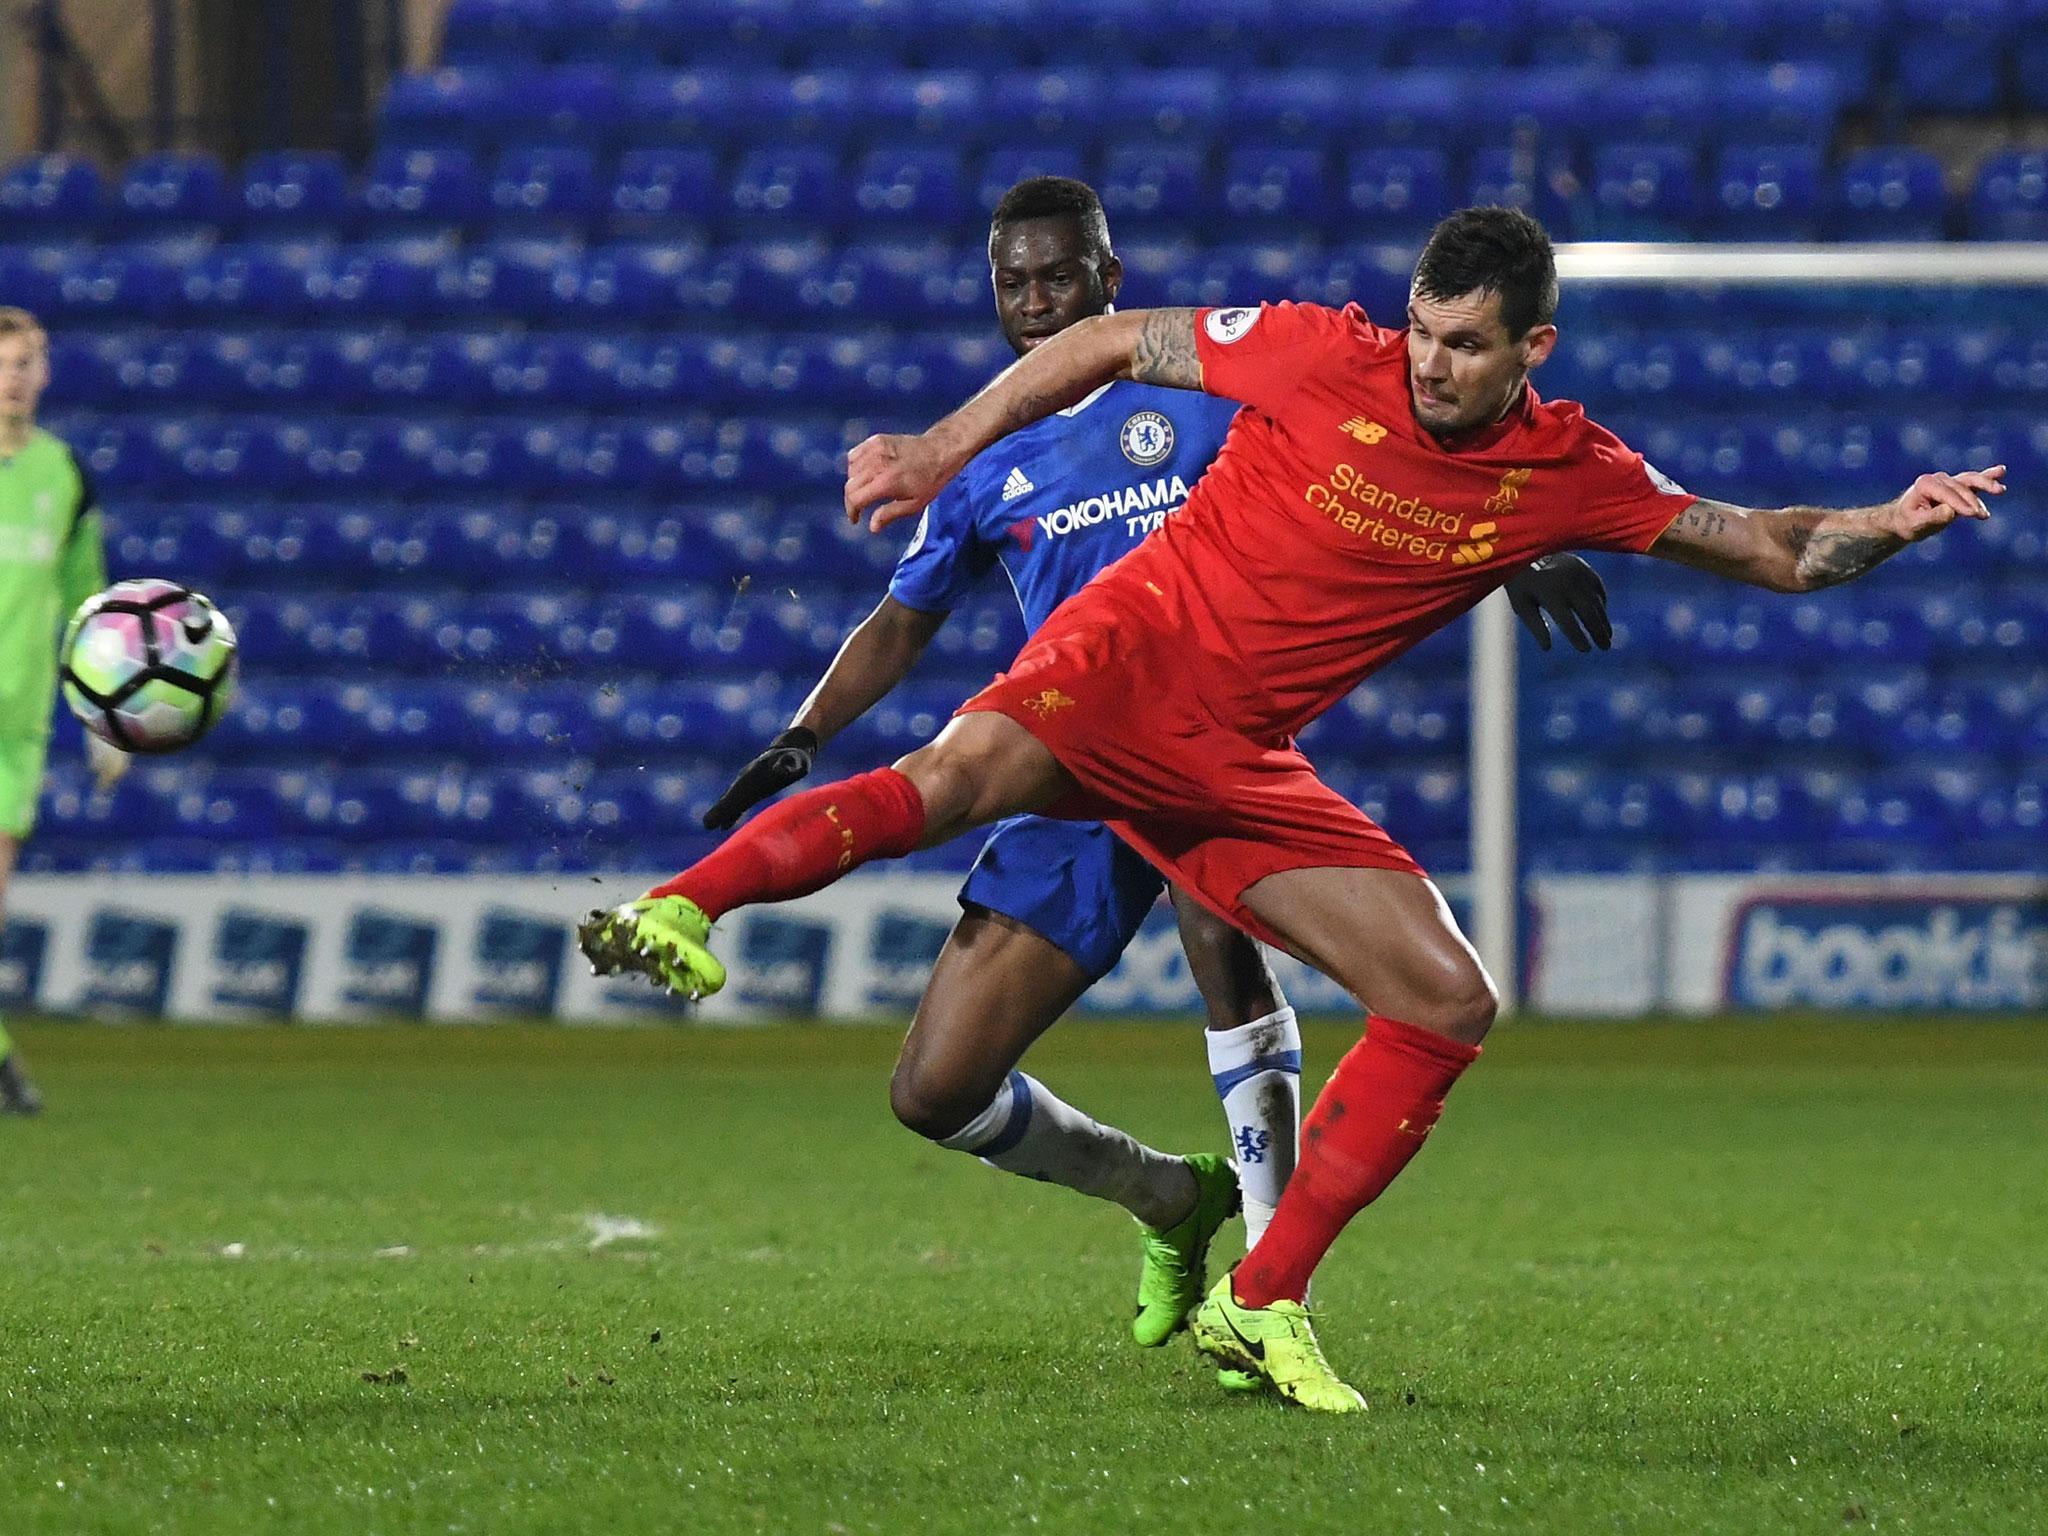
{"points": [[1017, 485]]}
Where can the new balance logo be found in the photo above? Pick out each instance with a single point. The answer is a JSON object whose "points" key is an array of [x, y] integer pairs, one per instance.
{"points": [[1367, 432], [1017, 485]]}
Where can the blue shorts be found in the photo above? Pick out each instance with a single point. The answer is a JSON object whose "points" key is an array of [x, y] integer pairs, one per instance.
{"points": [[1076, 882]]}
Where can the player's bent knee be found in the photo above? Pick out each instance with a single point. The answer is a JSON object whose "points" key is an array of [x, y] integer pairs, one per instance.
{"points": [[928, 1108], [1464, 1008], [981, 768]]}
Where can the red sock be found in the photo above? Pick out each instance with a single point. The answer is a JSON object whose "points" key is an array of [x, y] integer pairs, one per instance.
{"points": [[1370, 1118], [806, 842]]}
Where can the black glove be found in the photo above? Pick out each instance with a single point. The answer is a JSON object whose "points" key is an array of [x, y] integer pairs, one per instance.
{"points": [[1571, 592], [787, 759]]}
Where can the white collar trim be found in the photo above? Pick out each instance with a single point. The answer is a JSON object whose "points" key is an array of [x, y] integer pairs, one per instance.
{"points": [[1087, 400]]}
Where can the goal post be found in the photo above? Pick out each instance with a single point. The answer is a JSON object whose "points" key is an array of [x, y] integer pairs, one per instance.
{"points": [[1496, 885]]}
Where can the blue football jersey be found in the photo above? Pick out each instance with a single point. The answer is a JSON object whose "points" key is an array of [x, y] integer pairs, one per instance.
{"points": [[1059, 500]]}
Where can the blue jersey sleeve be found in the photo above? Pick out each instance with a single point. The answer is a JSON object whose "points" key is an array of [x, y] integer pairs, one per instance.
{"points": [[945, 557]]}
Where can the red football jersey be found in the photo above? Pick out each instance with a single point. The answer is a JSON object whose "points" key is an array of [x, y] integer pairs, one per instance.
{"points": [[1332, 532]]}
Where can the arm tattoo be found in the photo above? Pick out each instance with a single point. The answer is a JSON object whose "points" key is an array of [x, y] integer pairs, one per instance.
{"points": [[1827, 557], [1788, 549], [1704, 519], [1165, 353]]}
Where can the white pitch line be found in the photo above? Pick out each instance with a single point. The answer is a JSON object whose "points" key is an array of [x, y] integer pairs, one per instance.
{"points": [[606, 1230]]}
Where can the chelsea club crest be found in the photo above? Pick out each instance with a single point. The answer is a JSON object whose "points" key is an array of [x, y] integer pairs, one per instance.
{"points": [[1147, 438]]}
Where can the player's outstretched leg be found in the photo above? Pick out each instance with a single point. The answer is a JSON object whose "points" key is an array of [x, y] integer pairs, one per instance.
{"points": [[997, 985], [18, 1095], [981, 768]]}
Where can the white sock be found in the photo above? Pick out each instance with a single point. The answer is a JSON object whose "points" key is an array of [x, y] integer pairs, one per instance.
{"points": [[1029, 1130], [1257, 1068]]}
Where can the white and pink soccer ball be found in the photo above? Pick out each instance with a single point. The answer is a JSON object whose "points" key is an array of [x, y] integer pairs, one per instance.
{"points": [[148, 665]]}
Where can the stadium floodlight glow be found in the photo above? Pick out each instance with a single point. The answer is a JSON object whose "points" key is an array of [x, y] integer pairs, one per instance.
{"points": [[1496, 886]]}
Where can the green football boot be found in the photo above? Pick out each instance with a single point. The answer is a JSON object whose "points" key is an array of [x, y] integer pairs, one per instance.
{"points": [[1276, 1343], [661, 937], [1176, 1257]]}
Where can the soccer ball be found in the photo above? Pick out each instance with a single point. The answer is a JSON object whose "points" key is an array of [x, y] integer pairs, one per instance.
{"points": [[148, 665]]}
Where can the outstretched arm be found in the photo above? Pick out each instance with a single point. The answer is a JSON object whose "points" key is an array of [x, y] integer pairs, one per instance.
{"points": [[898, 475], [875, 658], [1802, 549]]}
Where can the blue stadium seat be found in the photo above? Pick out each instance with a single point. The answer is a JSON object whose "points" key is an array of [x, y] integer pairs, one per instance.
{"points": [[2030, 55], [657, 191], [1156, 184], [1227, 274], [1953, 51], [894, 282], [543, 190], [293, 192], [1002, 169], [1540, 106], [1277, 185], [46, 195], [411, 188], [1660, 105], [1311, 105], [813, 106], [1582, 32], [514, 33], [169, 192], [913, 186], [1686, 31], [1845, 35], [1769, 193], [634, 282], [1202, 31], [1644, 192], [946, 105], [2010, 199], [875, 34], [1417, 108], [574, 105], [663, 720], [1401, 193], [786, 188], [1888, 194], [1184, 106], [238, 284], [452, 107], [138, 282], [1539, 184], [388, 279], [521, 278], [1055, 111], [1781, 104]]}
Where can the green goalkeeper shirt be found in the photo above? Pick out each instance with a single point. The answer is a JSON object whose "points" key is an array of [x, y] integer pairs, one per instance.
{"points": [[51, 560]]}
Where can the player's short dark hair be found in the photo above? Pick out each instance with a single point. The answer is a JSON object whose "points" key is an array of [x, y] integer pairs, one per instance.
{"points": [[1493, 250], [1054, 197]]}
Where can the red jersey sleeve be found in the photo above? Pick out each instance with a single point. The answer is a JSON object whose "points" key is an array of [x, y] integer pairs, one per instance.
{"points": [[1626, 504], [1260, 356]]}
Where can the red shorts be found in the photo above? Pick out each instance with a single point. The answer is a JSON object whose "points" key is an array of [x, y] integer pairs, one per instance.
{"points": [[1130, 710]]}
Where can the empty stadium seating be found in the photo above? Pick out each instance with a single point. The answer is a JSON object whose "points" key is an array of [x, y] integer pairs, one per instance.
{"points": [[513, 451]]}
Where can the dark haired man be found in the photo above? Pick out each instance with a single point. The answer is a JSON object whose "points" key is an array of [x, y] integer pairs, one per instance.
{"points": [[1379, 484], [1051, 905]]}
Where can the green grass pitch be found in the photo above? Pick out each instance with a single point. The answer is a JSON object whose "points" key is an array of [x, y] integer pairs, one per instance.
{"points": [[1744, 1277]]}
